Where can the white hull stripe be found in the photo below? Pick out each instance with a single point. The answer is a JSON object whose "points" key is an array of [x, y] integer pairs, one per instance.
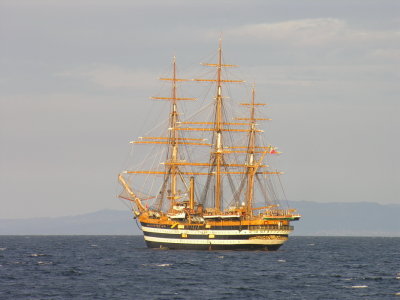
{"points": [[215, 232], [214, 242]]}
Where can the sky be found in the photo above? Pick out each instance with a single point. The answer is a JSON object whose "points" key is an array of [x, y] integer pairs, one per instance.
{"points": [[75, 77]]}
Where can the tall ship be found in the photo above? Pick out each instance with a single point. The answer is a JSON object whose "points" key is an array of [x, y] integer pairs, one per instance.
{"points": [[205, 182]]}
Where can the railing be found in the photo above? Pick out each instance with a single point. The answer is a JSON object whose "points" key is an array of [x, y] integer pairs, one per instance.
{"points": [[278, 213], [271, 227]]}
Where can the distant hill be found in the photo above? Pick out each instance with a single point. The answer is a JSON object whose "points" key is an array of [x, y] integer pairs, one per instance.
{"points": [[103, 222], [340, 219], [347, 219]]}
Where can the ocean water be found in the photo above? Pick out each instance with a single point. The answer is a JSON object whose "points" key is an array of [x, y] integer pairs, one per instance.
{"points": [[121, 267]]}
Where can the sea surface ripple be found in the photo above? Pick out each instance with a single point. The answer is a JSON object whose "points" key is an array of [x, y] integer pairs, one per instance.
{"points": [[121, 267]]}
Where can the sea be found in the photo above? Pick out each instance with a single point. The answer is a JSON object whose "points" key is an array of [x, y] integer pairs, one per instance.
{"points": [[121, 267]]}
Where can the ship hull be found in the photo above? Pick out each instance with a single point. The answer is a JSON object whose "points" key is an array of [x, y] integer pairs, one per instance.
{"points": [[214, 239], [187, 246]]}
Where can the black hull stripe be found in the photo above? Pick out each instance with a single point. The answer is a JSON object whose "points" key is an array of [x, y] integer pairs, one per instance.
{"points": [[243, 227], [197, 236], [173, 246]]}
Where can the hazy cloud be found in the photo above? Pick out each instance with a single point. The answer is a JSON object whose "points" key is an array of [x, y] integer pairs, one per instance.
{"points": [[113, 76], [312, 32]]}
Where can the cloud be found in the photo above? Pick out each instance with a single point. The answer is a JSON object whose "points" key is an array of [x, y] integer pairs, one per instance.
{"points": [[312, 32], [386, 54], [112, 76]]}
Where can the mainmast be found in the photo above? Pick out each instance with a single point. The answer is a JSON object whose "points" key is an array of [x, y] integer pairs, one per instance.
{"points": [[217, 155], [173, 136], [218, 130]]}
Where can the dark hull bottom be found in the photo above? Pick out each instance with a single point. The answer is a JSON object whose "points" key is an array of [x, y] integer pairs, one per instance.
{"points": [[173, 246]]}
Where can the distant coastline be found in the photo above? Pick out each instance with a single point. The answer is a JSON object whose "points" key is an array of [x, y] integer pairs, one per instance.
{"points": [[319, 219]]}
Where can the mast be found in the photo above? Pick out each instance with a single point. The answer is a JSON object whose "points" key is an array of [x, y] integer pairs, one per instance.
{"points": [[218, 130], [250, 157], [171, 171], [253, 165], [173, 136], [217, 154]]}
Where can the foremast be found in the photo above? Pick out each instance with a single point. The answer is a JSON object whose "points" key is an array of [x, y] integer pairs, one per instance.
{"points": [[172, 162], [171, 171], [173, 137]]}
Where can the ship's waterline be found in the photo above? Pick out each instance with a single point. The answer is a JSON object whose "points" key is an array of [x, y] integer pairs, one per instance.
{"points": [[211, 244]]}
